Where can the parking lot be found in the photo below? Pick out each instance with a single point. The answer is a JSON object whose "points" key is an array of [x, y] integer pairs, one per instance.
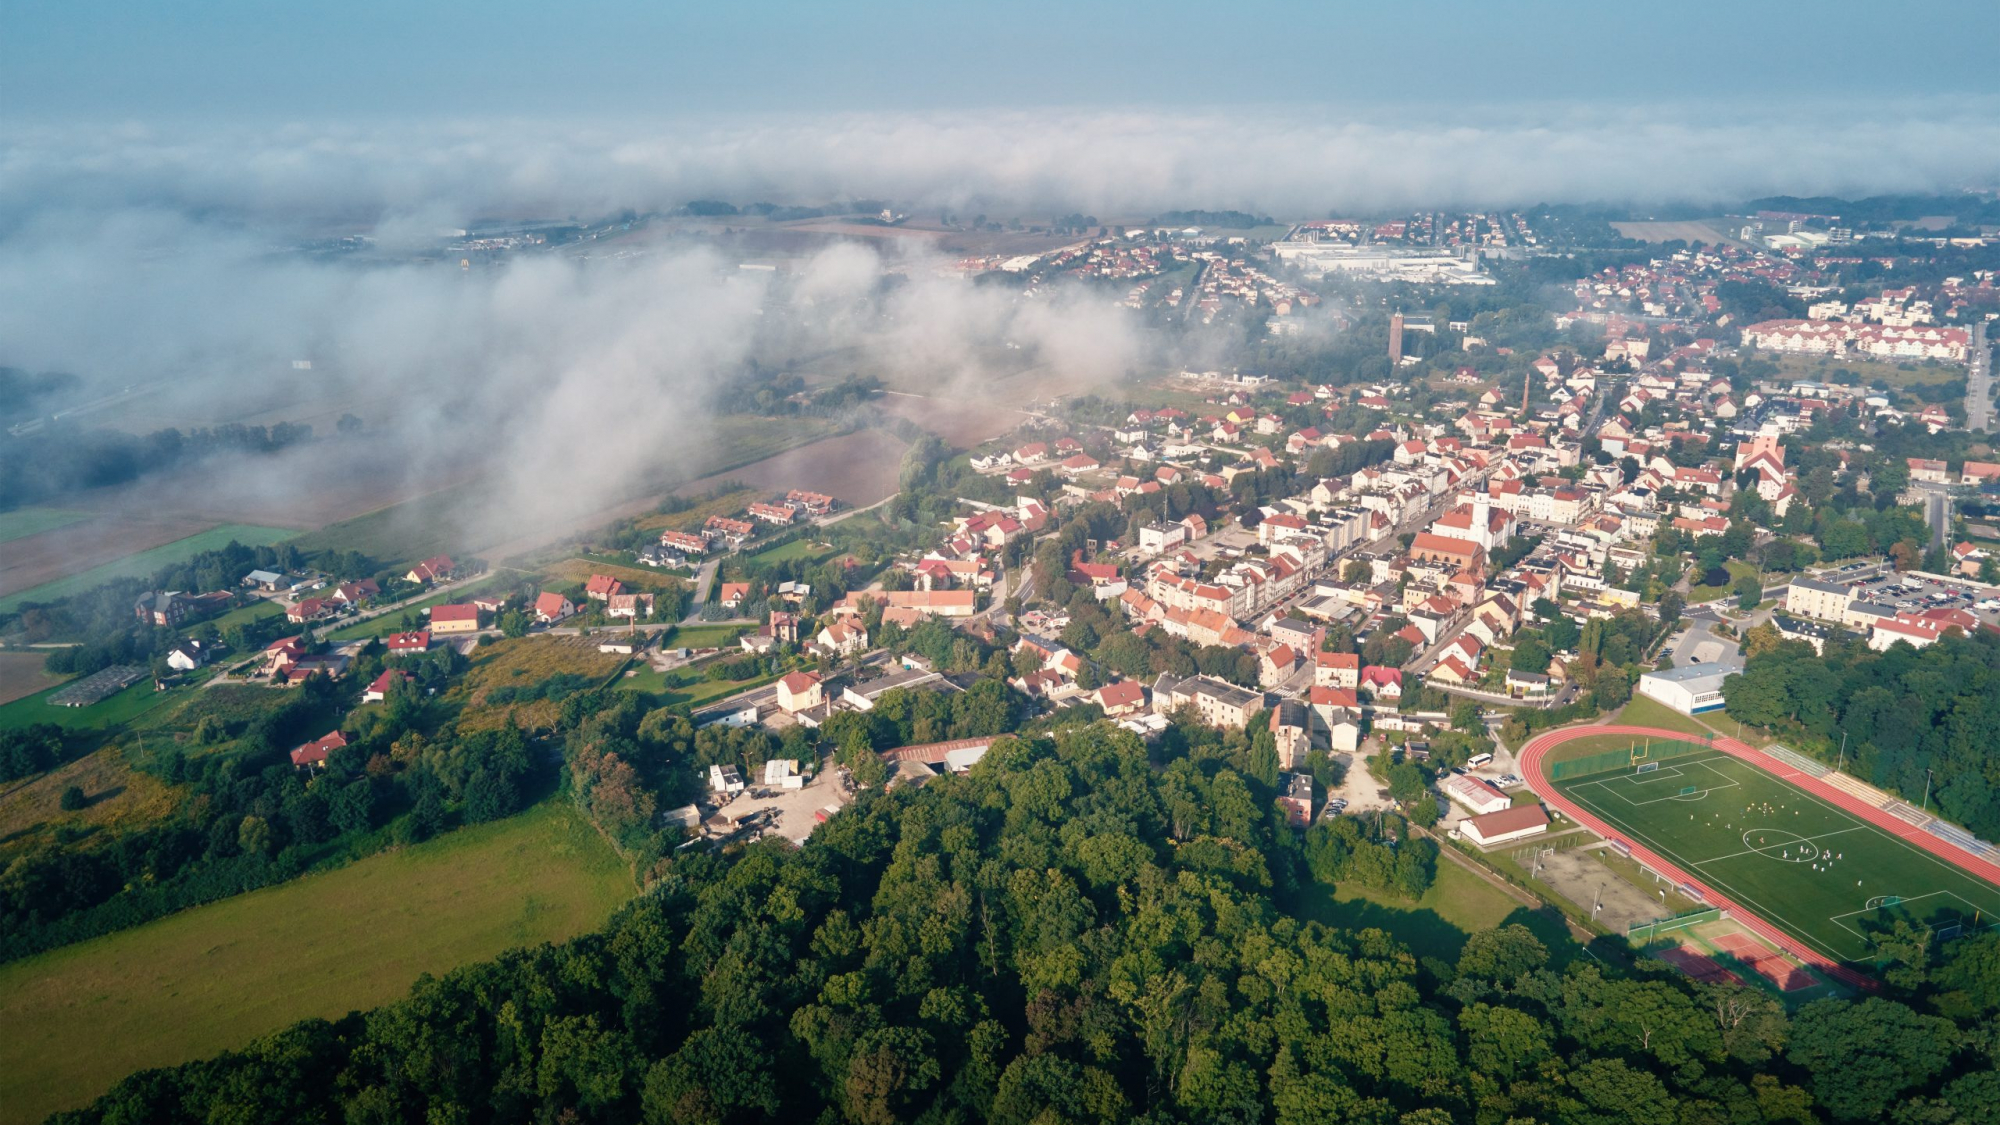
{"points": [[1912, 594]]}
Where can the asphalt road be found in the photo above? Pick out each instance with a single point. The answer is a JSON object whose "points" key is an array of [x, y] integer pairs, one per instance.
{"points": [[1979, 383]]}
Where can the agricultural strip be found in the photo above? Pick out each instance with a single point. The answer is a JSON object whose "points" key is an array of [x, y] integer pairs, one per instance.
{"points": [[218, 976]]}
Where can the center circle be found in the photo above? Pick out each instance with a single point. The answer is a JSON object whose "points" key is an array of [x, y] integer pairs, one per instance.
{"points": [[1775, 842]]}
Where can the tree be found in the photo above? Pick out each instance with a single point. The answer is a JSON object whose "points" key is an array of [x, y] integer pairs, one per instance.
{"points": [[1531, 653], [1863, 1055], [1562, 633], [1671, 606], [1749, 591], [72, 798], [1502, 954], [1356, 572]]}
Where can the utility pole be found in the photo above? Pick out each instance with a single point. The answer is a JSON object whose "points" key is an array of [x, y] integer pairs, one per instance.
{"points": [[1927, 790], [1843, 752]]}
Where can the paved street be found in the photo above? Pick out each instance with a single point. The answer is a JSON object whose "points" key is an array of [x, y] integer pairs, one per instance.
{"points": [[1979, 383]]}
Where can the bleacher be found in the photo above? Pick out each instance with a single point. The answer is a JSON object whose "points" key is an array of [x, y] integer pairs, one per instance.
{"points": [[1953, 834], [1798, 761], [1903, 810]]}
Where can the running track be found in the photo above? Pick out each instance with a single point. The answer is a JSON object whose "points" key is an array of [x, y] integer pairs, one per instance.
{"points": [[1530, 759]]}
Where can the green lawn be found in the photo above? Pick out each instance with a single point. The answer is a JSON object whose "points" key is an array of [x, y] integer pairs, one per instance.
{"points": [[1757, 840], [1645, 711], [118, 710], [704, 636], [253, 611], [216, 977], [801, 548], [146, 562], [23, 522], [1459, 903], [1736, 569]]}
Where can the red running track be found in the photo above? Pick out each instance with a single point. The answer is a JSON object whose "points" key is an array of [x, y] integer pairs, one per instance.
{"points": [[1530, 759]]}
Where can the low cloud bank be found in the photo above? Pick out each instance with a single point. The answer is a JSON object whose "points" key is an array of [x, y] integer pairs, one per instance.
{"points": [[1288, 160]]}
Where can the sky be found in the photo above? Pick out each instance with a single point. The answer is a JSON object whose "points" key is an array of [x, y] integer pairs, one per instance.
{"points": [[158, 159], [266, 59]]}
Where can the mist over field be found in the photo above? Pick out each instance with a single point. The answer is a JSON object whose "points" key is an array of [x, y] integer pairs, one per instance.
{"points": [[570, 383], [164, 255]]}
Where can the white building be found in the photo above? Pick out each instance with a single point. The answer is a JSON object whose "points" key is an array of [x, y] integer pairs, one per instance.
{"points": [[1690, 690]]}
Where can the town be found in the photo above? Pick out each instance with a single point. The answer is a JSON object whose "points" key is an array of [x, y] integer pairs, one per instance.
{"points": [[1446, 541]]}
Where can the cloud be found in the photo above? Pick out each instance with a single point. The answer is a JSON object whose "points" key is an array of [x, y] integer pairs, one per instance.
{"points": [[1285, 160], [159, 255], [567, 384]]}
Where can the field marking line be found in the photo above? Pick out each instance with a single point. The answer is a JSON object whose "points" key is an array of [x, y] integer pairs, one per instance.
{"points": [[1765, 849], [1791, 927], [1815, 945], [1631, 779]]}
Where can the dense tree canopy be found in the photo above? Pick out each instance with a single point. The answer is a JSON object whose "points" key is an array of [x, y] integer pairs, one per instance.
{"points": [[1072, 933]]}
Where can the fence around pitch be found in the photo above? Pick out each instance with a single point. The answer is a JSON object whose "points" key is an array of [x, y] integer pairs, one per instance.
{"points": [[1646, 931], [1635, 754]]}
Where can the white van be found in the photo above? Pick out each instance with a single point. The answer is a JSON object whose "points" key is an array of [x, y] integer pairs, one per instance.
{"points": [[1478, 760]]}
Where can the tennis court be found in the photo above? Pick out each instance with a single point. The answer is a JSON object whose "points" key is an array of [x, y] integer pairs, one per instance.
{"points": [[1824, 875]]}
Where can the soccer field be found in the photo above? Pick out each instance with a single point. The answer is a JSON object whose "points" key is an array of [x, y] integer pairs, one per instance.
{"points": [[1818, 872]]}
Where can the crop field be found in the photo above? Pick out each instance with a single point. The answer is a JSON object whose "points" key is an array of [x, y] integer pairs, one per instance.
{"points": [[23, 673], [218, 976], [856, 469], [1823, 875], [23, 522], [146, 562]]}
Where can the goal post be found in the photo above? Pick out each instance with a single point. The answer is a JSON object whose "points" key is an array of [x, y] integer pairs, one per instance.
{"points": [[1646, 767]]}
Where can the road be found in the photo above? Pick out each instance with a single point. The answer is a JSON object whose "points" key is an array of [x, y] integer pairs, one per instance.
{"points": [[1979, 383], [704, 578]]}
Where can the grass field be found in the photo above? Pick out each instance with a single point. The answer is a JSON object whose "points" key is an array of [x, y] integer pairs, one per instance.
{"points": [[523, 662], [1645, 711], [704, 636], [400, 533], [1736, 569], [146, 562], [1805, 865], [801, 548], [23, 522], [1458, 904], [1865, 372], [578, 571], [252, 611], [218, 976], [118, 710]]}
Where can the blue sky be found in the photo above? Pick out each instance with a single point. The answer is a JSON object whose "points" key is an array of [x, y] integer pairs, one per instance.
{"points": [[272, 59]]}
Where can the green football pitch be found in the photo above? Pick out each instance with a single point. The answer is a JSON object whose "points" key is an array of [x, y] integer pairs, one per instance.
{"points": [[1801, 863]]}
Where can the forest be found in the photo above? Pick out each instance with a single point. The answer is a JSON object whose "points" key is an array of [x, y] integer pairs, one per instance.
{"points": [[1071, 933], [1907, 720]]}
